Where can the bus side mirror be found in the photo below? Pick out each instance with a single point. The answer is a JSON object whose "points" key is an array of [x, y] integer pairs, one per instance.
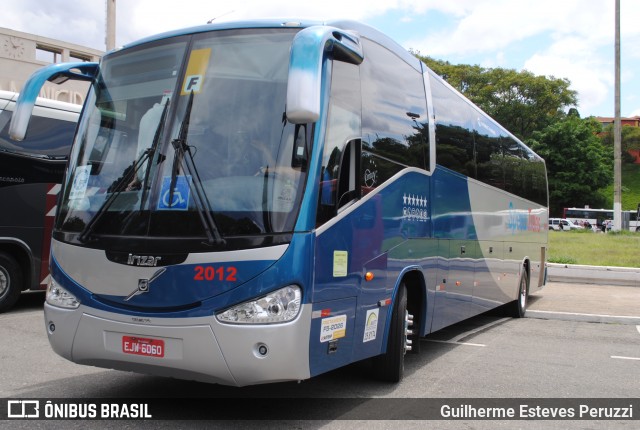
{"points": [[56, 73], [308, 49]]}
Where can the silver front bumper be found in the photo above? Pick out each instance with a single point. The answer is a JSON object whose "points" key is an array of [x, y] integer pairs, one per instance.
{"points": [[200, 349]]}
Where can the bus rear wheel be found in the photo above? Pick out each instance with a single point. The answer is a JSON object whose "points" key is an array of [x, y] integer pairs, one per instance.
{"points": [[519, 306], [10, 281], [389, 366]]}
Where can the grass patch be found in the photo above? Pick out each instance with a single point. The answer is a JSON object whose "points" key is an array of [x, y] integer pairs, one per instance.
{"points": [[596, 249]]}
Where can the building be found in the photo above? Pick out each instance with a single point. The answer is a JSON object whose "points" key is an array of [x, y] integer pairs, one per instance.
{"points": [[22, 53], [634, 121]]}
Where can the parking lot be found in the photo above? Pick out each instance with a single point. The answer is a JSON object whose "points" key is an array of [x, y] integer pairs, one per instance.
{"points": [[578, 341]]}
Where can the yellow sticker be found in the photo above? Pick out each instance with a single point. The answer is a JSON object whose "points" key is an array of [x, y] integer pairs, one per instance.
{"points": [[196, 71], [333, 328], [340, 263]]}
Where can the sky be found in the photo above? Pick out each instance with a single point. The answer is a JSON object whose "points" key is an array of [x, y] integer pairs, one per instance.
{"points": [[572, 39]]}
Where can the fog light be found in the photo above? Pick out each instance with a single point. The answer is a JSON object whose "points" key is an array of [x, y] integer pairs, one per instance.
{"points": [[260, 350]]}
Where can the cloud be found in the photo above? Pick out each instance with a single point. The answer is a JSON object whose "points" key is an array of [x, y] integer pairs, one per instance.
{"points": [[591, 83], [568, 38], [80, 22], [496, 24]]}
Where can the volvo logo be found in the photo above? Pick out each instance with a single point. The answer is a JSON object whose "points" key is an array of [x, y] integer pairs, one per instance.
{"points": [[143, 260], [144, 284]]}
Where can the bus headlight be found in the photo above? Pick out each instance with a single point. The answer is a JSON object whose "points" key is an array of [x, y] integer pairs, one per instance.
{"points": [[279, 306], [58, 296]]}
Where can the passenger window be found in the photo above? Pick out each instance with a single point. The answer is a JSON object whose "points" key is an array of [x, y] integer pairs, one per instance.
{"points": [[349, 181], [339, 182], [394, 120], [455, 123]]}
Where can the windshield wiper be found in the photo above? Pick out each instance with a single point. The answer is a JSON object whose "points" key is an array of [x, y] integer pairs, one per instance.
{"points": [[146, 157], [187, 164]]}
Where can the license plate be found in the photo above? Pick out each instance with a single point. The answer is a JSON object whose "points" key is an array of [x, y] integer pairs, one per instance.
{"points": [[143, 346]]}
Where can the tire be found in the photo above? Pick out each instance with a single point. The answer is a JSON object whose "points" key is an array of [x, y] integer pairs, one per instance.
{"points": [[10, 281], [519, 306], [389, 366]]}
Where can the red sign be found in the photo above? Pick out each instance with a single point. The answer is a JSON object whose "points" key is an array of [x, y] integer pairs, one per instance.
{"points": [[143, 346]]}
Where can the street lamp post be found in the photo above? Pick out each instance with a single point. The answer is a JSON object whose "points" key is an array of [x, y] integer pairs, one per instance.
{"points": [[617, 133]]}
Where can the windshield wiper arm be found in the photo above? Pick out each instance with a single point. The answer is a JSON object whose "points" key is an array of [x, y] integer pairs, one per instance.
{"points": [[187, 164], [154, 148], [146, 157]]}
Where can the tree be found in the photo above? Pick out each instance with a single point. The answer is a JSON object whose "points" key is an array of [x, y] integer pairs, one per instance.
{"points": [[577, 162], [630, 140], [520, 101]]}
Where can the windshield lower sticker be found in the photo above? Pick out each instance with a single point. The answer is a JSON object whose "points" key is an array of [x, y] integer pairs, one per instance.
{"points": [[181, 193], [80, 182]]}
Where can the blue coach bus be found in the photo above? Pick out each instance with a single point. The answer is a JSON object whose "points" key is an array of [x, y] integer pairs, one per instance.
{"points": [[267, 201]]}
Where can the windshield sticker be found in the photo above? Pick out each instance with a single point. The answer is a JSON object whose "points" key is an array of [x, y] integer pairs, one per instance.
{"points": [[181, 194], [284, 200], [196, 70], [340, 263], [333, 328], [80, 182], [370, 325]]}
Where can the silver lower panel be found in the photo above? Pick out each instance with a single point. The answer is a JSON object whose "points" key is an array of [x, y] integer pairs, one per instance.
{"points": [[198, 349]]}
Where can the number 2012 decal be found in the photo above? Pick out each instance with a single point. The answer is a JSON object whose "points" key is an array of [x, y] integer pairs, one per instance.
{"points": [[210, 273]]}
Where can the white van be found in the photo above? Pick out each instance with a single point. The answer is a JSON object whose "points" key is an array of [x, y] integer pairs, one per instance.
{"points": [[561, 224]]}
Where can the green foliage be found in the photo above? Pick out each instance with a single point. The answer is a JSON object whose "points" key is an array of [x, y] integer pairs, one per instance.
{"points": [[578, 165], [630, 139], [630, 189], [520, 101]]}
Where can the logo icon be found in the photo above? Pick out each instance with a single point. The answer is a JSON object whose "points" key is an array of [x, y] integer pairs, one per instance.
{"points": [[144, 284], [23, 409]]}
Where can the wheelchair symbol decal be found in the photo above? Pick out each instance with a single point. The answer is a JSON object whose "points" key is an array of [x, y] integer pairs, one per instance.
{"points": [[181, 194]]}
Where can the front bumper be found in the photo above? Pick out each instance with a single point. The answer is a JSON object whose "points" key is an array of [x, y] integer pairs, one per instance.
{"points": [[200, 349]]}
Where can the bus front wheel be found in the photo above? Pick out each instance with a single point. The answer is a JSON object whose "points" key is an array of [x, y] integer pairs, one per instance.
{"points": [[10, 281], [389, 366]]}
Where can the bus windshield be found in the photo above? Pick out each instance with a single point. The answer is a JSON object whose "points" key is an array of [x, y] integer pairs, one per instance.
{"points": [[178, 132]]}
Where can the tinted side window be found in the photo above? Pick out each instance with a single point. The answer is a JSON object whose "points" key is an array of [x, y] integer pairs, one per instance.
{"points": [[394, 115], [455, 122], [489, 141], [343, 125], [524, 172], [45, 137], [471, 143]]}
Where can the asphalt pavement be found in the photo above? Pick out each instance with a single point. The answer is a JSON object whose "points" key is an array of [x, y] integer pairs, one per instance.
{"points": [[588, 293]]}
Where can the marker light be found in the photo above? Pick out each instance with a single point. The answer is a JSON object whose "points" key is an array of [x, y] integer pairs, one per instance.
{"points": [[279, 306], [58, 296]]}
